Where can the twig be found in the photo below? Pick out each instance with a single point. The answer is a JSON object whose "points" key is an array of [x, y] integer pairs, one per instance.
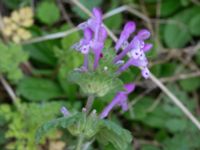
{"points": [[180, 77], [8, 89], [1, 22], [139, 97], [149, 25], [155, 103], [65, 15], [52, 36], [175, 100], [195, 2], [152, 77], [157, 26], [107, 15]]}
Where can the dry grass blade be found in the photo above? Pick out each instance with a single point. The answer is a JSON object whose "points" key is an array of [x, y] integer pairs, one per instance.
{"points": [[51, 36], [8, 89]]}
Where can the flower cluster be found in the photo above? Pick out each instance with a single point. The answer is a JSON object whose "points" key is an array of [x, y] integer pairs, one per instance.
{"points": [[93, 42], [136, 49], [14, 26], [94, 37]]}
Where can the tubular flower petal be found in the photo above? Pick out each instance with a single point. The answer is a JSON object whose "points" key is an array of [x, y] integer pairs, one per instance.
{"points": [[144, 34], [119, 100], [129, 28], [145, 73], [147, 47], [64, 111]]}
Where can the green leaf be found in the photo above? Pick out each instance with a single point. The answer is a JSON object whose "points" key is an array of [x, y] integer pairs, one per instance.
{"points": [[166, 4], [190, 84], [175, 125], [111, 22], [68, 41], [194, 25], [63, 122], [177, 34], [95, 83], [164, 70], [42, 53], [88, 4], [12, 55], [140, 112], [178, 142], [48, 12], [149, 147], [36, 89], [110, 132]]}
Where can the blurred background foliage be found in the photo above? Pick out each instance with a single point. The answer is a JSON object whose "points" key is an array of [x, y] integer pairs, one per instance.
{"points": [[37, 72]]}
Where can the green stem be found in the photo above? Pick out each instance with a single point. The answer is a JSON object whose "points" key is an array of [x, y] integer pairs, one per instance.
{"points": [[80, 142], [89, 103]]}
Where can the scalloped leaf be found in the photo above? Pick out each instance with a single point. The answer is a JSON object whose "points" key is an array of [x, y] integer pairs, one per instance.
{"points": [[36, 89], [12, 55], [111, 133], [96, 83], [48, 12], [177, 34], [194, 25], [63, 122]]}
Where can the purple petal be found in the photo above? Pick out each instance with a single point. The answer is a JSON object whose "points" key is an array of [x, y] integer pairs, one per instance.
{"points": [[96, 61], [102, 35], [97, 14], [147, 47], [129, 87], [88, 34], [135, 53], [77, 46], [124, 104], [86, 61], [83, 25], [64, 111], [143, 34], [125, 66], [145, 73], [134, 44], [85, 49], [129, 28], [110, 106]]}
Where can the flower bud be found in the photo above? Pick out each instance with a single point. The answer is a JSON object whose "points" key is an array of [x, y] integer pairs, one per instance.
{"points": [[129, 28], [143, 34]]}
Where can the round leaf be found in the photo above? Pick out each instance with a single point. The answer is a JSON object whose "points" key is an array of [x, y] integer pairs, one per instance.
{"points": [[48, 13]]}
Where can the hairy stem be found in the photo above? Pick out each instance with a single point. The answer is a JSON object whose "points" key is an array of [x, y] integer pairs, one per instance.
{"points": [[89, 103], [80, 142]]}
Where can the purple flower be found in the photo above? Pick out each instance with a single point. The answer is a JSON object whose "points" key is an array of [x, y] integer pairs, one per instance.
{"points": [[129, 28], [84, 44], [64, 111], [119, 100], [94, 37], [136, 50], [147, 47], [143, 34], [97, 46]]}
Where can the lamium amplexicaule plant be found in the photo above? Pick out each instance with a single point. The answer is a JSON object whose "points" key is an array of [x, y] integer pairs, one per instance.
{"points": [[99, 76]]}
